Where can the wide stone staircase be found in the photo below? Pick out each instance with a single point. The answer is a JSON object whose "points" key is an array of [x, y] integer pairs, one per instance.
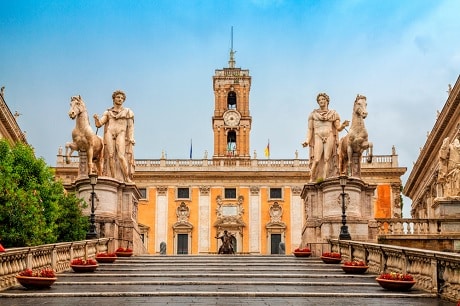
{"points": [[216, 280]]}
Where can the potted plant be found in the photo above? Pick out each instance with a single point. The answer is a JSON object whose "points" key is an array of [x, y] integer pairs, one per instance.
{"points": [[396, 281], [331, 257], [354, 267], [36, 280], [106, 257], [124, 252], [80, 265], [302, 252]]}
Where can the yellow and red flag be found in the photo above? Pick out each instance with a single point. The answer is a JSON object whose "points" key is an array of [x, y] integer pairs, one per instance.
{"points": [[267, 150]]}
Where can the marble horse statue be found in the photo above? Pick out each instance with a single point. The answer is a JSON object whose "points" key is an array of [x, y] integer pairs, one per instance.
{"points": [[83, 137], [352, 145]]}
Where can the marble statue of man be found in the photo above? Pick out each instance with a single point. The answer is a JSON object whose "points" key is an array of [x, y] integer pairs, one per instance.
{"points": [[453, 168], [443, 160], [322, 137], [118, 123]]}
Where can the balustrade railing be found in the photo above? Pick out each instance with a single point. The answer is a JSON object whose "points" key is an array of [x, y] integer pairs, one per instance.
{"points": [[407, 226], [435, 272], [378, 161], [55, 256]]}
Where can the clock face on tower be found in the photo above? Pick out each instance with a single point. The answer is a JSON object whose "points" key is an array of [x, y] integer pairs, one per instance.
{"points": [[232, 118]]}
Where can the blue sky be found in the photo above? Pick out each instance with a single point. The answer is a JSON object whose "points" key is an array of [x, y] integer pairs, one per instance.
{"points": [[400, 54]]}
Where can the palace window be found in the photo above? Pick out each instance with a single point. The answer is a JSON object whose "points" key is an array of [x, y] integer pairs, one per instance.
{"points": [[230, 193], [276, 193], [143, 192], [183, 193]]}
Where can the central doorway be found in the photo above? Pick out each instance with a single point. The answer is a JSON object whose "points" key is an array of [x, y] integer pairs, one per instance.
{"points": [[182, 244], [275, 241]]}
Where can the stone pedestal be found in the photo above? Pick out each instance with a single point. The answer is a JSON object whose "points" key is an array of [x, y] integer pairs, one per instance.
{"points": [[116, 210], [448, 207], [323, 210]]}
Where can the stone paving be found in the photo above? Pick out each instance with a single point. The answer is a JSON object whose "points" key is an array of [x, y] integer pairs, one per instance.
{"points": [[216, 280]]}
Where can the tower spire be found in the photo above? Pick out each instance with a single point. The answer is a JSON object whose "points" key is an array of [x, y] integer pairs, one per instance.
{"points": [[231, 62]]}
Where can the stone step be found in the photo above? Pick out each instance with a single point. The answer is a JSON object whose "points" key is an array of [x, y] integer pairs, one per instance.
{"points": [[199, 277], [270, 280], [212, 288]]}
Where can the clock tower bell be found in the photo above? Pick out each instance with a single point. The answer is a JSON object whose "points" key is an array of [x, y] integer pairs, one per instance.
{"points": [[231, 122]]}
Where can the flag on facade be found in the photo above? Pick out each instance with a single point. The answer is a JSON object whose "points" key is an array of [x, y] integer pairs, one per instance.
{"points": [[267, 150], [191, 148]]}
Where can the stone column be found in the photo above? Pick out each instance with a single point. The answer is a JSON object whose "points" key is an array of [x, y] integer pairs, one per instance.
{"points": [[297, 216], [204, 222], [254, 220], [161, 226]]}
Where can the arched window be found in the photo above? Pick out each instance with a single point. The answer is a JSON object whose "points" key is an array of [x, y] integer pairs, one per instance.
{"points": [[231, 143], [231, 100]]}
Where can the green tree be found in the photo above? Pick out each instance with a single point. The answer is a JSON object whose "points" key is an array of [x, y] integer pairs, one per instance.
{"points": [[32, 204], [72, 225]]}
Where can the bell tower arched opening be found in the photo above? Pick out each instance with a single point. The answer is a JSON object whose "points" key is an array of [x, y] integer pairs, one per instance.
{"points": [[231, 143], [231, 100]]}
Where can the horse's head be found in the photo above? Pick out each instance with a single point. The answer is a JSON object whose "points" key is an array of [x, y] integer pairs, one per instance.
{"points": [[360, 106], [76, 106]]}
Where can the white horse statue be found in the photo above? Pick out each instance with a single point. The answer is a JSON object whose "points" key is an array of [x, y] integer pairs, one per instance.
{"points": [[83, 137], [356, 141]]}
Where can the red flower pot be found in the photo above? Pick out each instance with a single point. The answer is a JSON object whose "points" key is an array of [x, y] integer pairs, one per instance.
{"points": [[395, 285], [302, 254], [36, 282], [84, 268], [354, 269], [124, 254], [331, 260]]}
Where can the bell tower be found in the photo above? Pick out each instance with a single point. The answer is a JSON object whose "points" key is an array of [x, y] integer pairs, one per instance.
{"points": [[231, 121]]}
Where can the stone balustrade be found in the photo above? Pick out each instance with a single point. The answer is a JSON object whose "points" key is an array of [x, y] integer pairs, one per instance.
{"points": [[56, 256], [407, 226], [164, 164], [435, 272]]}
